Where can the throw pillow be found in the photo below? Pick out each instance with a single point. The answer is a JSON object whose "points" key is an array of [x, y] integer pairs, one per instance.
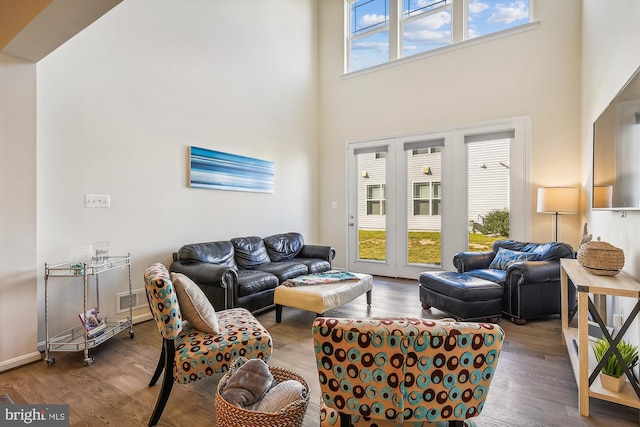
{"points": [[505, 257], [248, 384], [279, 396], [195, 306]]}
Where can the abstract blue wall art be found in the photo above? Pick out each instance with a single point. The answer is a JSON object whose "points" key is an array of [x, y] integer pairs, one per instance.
{"points": [[216, 170]]}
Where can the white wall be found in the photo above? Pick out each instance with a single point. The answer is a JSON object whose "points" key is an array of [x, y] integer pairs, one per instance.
{"points": [[119, 104], [533, 73], [18, 300], [610, 55]]}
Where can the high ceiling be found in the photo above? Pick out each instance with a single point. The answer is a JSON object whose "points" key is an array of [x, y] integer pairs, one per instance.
{"points": [[31, 29]]}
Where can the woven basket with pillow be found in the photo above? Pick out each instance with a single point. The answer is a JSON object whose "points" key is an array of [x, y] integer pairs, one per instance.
{"points": [[281, 406]]}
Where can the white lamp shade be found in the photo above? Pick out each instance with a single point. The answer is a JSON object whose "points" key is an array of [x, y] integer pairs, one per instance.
{"points": [[603, 196], [561, 200]]}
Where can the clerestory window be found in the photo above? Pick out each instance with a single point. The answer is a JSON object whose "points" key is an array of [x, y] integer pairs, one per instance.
{"points": [[380, 31]]}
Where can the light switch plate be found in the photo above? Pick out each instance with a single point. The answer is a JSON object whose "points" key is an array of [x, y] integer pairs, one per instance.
{"points": [[97, 201]]}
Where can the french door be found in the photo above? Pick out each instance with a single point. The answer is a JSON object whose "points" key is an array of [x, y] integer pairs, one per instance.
{"points": [[395, 205], [412, 200]]}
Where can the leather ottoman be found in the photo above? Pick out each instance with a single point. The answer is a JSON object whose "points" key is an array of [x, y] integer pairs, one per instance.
{"points": [[461, 296]]}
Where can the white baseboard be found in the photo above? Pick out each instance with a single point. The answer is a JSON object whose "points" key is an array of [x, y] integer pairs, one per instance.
{"points": [[16, 362], [142, 318]]}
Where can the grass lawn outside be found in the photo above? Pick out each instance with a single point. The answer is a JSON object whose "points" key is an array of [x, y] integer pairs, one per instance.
{"points": [[424, 246]]}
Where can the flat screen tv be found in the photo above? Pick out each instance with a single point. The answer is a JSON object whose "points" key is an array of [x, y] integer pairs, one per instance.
{"points": [[616, 151]]}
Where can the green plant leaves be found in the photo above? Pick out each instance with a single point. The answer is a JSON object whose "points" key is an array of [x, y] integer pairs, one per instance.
{"points": [[612, 366]]}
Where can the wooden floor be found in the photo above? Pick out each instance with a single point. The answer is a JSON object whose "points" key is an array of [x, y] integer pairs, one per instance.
{"points": [[533, 386]]}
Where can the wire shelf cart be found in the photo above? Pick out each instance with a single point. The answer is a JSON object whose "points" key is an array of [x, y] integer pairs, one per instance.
{"points": [[77, 338]]}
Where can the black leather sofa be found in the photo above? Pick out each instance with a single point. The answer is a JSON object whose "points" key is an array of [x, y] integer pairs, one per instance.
{"points": [[530, 288], [244, 271]]}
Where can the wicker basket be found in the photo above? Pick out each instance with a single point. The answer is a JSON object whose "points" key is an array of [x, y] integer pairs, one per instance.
{"points": [[601, 258], [292, 415]]}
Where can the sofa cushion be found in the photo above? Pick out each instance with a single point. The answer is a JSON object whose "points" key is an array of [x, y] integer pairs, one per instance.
{"points": [[284, 270], [220, 253], [314, 265], [283, 247], [250, 252], [505, 257], [251, 282]]}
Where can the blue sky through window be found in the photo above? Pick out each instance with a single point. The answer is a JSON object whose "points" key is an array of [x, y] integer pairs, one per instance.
{"points": [[489, 16], [425, 33]]}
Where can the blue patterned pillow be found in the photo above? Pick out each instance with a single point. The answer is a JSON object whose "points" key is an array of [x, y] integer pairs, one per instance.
{"points": [[505, 257]]}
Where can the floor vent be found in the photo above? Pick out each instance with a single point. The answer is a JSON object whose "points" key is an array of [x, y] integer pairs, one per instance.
{"points": [[137, 300]]}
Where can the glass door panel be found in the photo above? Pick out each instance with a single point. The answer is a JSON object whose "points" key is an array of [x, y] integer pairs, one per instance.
{"points": [[369, 199], [424, 202], [488, 202]]}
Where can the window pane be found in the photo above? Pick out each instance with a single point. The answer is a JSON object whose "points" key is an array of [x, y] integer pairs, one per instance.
{"points": [[369, 51], [428, 33], [421, 190], [436, 190], [370, 20], [416, 7], [371, 221], [421, 207], [423, 204], [373, 208], [490, 16], [368, 15], [488, 192], [373, 192], [437, 207]]}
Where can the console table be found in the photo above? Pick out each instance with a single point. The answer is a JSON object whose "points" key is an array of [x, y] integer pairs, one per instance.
{"points": [[583, 361]]}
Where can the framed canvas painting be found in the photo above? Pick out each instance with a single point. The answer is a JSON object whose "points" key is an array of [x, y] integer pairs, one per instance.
{"points": [[216, 170]]}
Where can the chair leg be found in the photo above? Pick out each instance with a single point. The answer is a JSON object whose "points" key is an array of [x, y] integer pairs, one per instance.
{"points": [[159, 368], [167, 382], [345, 420]]}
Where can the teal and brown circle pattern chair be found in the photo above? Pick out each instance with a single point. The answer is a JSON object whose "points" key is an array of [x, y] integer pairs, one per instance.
{"points": [[404, 371], [189, 354]]}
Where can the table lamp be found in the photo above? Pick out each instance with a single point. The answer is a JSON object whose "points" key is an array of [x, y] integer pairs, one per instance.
{"points": [[557, 201]]}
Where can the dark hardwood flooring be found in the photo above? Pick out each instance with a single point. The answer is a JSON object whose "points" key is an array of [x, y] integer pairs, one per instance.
{"points": [[533, 386]]}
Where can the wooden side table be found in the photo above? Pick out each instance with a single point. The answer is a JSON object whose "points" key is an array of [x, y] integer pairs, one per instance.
{"points": [[585, 367]]}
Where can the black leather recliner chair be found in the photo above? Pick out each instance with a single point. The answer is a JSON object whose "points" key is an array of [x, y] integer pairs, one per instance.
{"points": [[530, 288]]}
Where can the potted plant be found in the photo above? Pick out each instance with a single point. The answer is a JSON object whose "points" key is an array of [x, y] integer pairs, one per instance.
{"points": [[611, 375]]}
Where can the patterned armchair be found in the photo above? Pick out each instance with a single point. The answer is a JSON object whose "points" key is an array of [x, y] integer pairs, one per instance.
{"points": [[404, 372], [189, 354]]}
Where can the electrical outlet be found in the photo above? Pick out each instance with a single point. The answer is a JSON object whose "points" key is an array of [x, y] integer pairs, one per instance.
{"points": [[97, 201]]}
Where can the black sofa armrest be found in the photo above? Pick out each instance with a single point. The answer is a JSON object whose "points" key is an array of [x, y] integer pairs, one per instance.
{"points": [[216, 281], [465, 261], [524, 272], [327, 253]]}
